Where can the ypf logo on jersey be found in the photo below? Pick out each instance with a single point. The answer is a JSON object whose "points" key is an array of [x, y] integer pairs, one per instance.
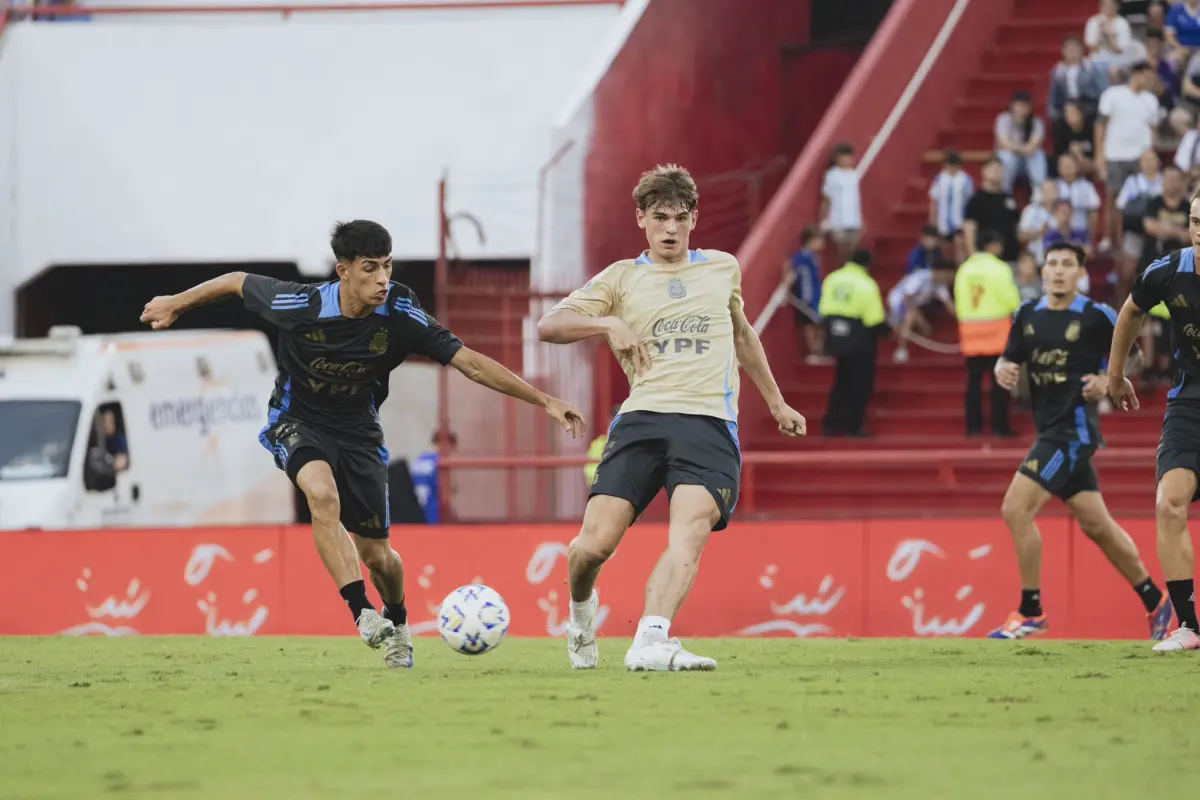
{"points": [[675, 289]]}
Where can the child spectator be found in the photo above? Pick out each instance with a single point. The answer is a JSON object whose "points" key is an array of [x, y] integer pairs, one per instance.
{"points": [[1082, 196], [1037, 219], [928, 252], [803, 271], [1029, 279], [908, 300], [948, 198], [841, 204]]}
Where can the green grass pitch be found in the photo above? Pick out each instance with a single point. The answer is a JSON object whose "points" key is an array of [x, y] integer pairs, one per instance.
{"points": [[178, 717]]}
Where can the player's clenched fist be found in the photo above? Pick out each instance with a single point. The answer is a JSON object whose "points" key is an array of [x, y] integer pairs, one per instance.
{"points": [[160, 312], [790, 421], [627, 343]]}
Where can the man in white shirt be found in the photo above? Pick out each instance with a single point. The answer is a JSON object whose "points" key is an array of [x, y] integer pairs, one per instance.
{"points": [[1109, 38], [841, 204], [1124, 131]]}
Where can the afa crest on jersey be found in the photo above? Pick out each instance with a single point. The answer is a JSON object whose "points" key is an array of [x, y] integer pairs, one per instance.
{"points": [[675, 289], [1072, 334], [379, 342]]}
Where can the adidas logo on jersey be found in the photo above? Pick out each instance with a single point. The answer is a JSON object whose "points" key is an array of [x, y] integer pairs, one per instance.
{"points": [[1179, 302], [1031, 465]]}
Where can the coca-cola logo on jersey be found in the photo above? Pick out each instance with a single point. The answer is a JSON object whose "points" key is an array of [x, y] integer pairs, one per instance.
{"points": [[1191, 331], [339, 369], [693, 323]]}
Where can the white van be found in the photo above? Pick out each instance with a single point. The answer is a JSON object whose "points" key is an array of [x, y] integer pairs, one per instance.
{"points": [[137, 430]]}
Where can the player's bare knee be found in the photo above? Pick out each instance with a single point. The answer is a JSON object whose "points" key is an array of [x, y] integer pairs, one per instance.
{"points": [[323, 502], [1016, 511], [1096, 527], [592, 547], [377, 557], [1171, 511]]}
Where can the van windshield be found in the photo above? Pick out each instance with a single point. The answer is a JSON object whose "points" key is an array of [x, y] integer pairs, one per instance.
{"points": [[36, 438]]}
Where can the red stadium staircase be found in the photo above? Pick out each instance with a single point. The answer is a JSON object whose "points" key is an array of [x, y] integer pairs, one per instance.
{"points": [[918, 406]]}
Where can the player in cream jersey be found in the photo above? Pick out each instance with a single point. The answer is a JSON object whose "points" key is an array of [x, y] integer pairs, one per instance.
{"points": [[675, 321]]}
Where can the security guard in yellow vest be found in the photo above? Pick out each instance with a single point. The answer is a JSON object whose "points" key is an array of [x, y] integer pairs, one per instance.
{"points": [[596, 449], [852, 310], [985, 298]]}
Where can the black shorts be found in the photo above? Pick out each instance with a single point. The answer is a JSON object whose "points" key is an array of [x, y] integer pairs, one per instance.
{"points": [[1179, 446], [647, 451], [360, 470], [1062, 467]]}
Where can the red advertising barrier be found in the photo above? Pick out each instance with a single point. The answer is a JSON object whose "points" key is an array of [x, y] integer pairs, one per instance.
{"points": [[894, 578]]}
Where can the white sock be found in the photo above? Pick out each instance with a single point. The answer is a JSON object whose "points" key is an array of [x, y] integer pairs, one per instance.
{"points": [[651, 630], [581, 613]]}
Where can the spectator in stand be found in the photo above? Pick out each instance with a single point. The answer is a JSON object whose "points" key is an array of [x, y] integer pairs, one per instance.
{"points": [[1037, 219], [1075, 79], [1132, 202], [1075, 137], [803, 272], [1183, 30], [841, 203], [1124, 131], [1029, 278], [1019, 136], [1166, 220], [1062, 230], [985, 298], [1109, 40], [1081, 194], [913, 298], [1187, 110], [927, 254], [994, 209], [1166, 85], [948, 198], [1187, 156]]}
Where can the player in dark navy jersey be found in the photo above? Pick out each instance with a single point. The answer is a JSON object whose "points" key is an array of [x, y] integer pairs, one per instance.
{"points": [[1064, 340], [1171, 280], [338, 343]]}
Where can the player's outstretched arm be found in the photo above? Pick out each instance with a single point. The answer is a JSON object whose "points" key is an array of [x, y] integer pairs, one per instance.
{"points": [[1129, 322], [161, 312], [565, 326], [494, 375], [753, 359]]}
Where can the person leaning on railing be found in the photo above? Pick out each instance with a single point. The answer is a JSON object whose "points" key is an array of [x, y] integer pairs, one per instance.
{"points": [[852, 309], [985, 298]]}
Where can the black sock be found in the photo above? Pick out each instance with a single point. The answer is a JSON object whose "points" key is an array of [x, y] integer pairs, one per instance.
{"points": [[1031, 603], [396, 612], [355, 595], [1150, 594], [1183, 597]]}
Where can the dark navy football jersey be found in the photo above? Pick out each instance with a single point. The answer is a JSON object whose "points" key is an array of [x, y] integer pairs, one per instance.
{"points": [[1172, 280], [333, 370], [1060, 348]]}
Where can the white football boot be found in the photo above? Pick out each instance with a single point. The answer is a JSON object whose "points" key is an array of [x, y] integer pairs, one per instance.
{"points": [[1183, 638], [399, 651], [374, 629], [581, 641], [668, 656]]}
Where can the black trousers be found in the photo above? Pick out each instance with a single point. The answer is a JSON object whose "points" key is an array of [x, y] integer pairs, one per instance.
{"points": [[977, 368], [853, 384]]}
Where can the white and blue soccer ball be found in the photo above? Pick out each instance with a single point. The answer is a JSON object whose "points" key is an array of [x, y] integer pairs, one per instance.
{"points": [[473, 619]]}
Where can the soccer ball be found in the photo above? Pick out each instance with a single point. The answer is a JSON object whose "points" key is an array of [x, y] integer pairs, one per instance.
{"points": [[473, 619]]}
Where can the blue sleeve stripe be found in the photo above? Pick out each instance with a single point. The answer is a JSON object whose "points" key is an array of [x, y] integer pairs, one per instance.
{"points": [[1108, 312], [289, 301], [288, 306], [290, 295], [405, 305], [1162, 262]]}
